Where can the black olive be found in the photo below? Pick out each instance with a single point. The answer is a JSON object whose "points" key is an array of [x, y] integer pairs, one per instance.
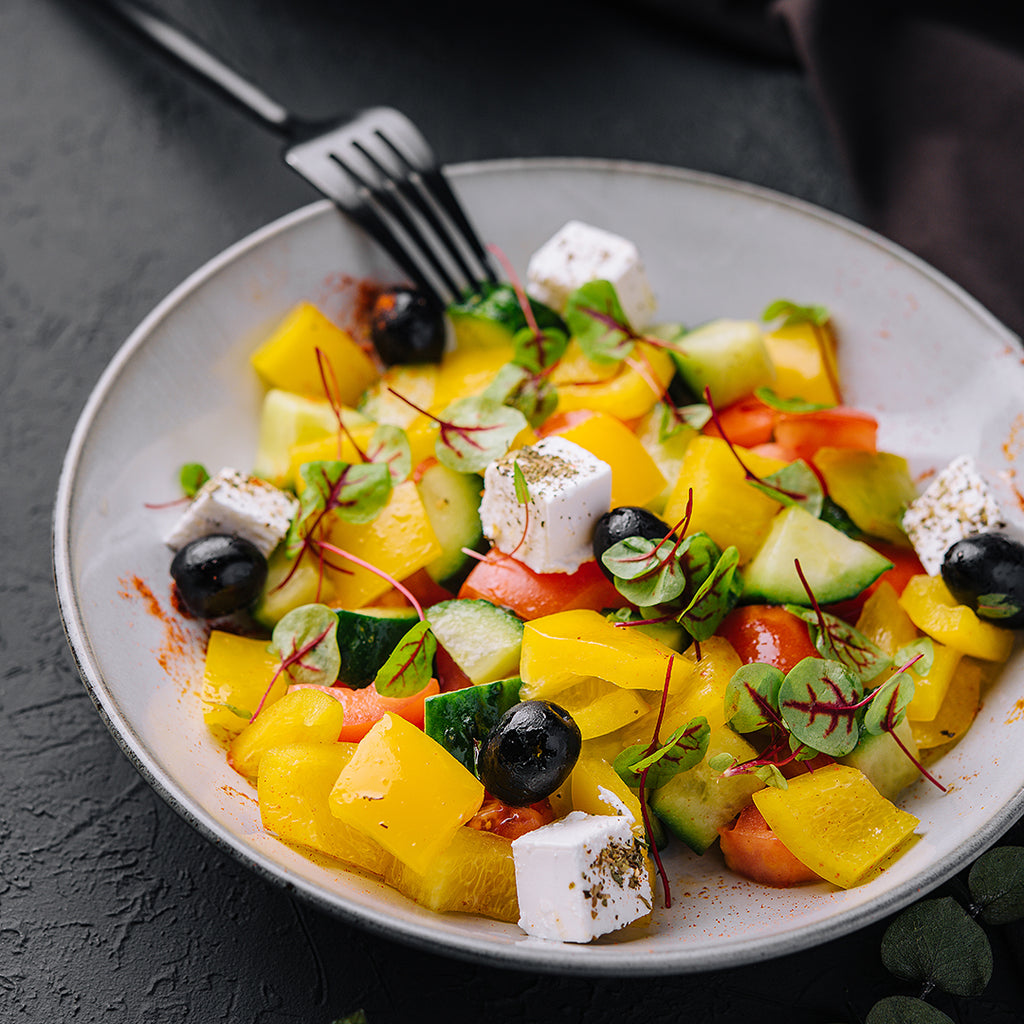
{"points": [[622, 522], [219, 574], [529, 753], [407, 327], [986, 573]]}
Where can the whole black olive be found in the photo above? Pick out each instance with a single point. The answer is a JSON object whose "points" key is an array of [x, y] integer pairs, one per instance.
{"points": [[218, 574], [986, 573], [529, 753], [407, 327], [622, 522]]}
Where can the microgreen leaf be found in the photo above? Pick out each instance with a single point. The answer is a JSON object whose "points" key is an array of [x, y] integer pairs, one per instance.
{"points": [[795, 484], [996, 881], [646, 572], [191, 477], [532, 394], [673, 418], [233, 708], [389, 445], [410, 665], [818, 702], [795, 313], [356, 493], [698, 554], [889, 704], [306, 641], [839, 641], [722, 761], [597, 322], [792, 404], [715, 597], [905, 1010], [538, 350], [474, 431], [519, 483], [921, 652], [683, 750], [770, 775], [935, 942], [752, 697]]}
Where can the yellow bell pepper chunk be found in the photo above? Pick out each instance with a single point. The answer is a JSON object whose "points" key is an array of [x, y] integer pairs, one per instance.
{"points": [[294, 784], [884, 621], [560, 649], [417, 383], [667, 452], [288, 360], [399, 542], [237, 673], [332, 447], [804, 357], [306, 715], [725, 506], [836, 823], [627, 390], [930, 689], [958, 710], [597, 789], [405, 791], [468, 371], [473, 874], [934, 610], [636, 479], [599, 707]]}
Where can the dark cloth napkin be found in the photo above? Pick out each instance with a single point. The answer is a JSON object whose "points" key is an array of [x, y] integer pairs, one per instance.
{"points": [[926, 103]]}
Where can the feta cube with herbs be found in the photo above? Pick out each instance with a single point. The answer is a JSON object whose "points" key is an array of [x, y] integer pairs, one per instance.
{"points": [[548, 595]]}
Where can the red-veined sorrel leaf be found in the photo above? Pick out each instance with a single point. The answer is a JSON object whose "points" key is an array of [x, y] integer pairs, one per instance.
{"points": [[673, 419], [818, 701], [306, 641], [683, 750], [752, 697], [389, 446], [918, 655], [537, 350], [715, 597], [795, 484], [839, 641], [597, 322], [532, 394], [410, 665], [646, 571], [889, 703], [475, 431]]}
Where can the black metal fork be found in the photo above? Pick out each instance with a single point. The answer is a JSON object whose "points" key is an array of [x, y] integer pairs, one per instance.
{"points": [[375, 166]]}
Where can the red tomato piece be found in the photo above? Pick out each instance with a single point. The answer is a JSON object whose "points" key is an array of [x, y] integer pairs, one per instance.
{"points": [[753, 850], [769, 634], [449, 675], [504, 581], [747, 422], [510, 822], [366, 706], [805, 432]]}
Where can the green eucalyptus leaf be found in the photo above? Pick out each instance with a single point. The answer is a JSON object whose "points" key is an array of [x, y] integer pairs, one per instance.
{"points": [[410, 665], [818, 702], [306, 641], [996, 881], [905, 1010], [752, 697], [889, 704], [795, 484], [839, 641], [474, 431], [936, 942], [597, 322], [389, 446]]}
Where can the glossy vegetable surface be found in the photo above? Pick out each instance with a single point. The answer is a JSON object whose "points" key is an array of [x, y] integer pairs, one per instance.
{"points": [[218, 574]]}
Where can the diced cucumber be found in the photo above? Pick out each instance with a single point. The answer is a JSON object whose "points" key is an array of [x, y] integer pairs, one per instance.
{"points": [[727, 356], [367, 638], [278, 598], [484, 640], [836, 567], [886, 766], [452, 503], [493, 317], [461, 719], [694, 805]]}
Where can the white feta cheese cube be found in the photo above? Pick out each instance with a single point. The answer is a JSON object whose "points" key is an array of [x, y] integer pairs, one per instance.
{"points": [[232, 503], [580, 877], [568, 490], [958, 503], [579, 253]]}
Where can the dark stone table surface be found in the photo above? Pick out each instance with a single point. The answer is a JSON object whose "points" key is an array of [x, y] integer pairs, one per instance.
{"points": [[117, 179]]}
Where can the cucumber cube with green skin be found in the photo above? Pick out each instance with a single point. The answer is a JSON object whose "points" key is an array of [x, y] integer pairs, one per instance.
{"points": [[727, 356], [836, 567], [461, 719], [366, 639], [485, 641], [886, 766], [451, 501], [303, 586], [493, 316]]}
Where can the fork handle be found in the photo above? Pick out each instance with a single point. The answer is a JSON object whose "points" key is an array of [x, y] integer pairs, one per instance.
{"points": [[165, 37]]}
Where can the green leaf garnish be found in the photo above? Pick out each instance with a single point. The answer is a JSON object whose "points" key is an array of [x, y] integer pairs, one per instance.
{"points": [[752, 697], [410, 665], [683, 750], [996, 881], [889, 704], [715, 597], [645, 574], [918, 655], [519, 483], [532, 394], [597, 322], [306, 641], [191, 477], [537, 350], [474, 431], [794, 313], [839, 641], [674, 419], [905, 1010], [795, 484], [818, 701], [792, 404], [936, 943], [389, 445]]}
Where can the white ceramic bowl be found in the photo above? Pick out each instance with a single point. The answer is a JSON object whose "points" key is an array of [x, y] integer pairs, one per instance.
{"points": [[942, 376]]}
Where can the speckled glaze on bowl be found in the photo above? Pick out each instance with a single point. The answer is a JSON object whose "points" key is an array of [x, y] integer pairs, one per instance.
{"points": [[940, 373]]}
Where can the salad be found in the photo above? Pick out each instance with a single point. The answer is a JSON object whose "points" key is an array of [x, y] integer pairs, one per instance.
{"points": [[517, 594]]}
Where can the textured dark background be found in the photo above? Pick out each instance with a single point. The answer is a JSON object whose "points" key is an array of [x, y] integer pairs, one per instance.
{"points": [[117, 179]]}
